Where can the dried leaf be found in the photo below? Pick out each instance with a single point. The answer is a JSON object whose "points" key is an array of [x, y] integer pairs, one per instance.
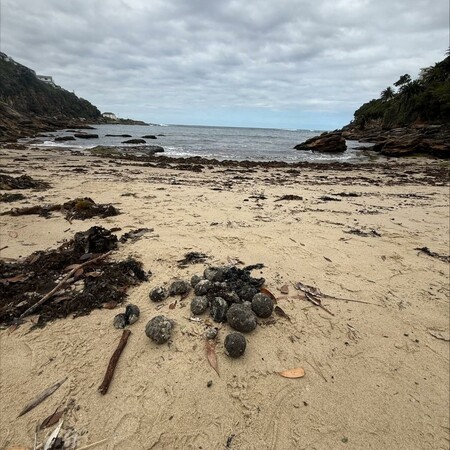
{"points": [[211, 354], [317, 301], [12, 328], [268, 293], [52, 419], [41, 397], [281, 313], [93, 274], [308, 289], [78, 273], [109, 305], [327, 259], [71, 267], [14, 279], [172, 305], [284, 289], [298, 372]]}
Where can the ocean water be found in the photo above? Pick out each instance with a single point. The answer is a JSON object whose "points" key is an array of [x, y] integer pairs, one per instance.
{"points": [[255, 144]]}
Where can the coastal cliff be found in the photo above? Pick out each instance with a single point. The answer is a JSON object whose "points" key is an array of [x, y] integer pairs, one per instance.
{"points": [[29, 105]]}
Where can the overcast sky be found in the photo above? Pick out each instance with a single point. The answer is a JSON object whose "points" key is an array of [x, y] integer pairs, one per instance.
{"points": [[265, 63]]}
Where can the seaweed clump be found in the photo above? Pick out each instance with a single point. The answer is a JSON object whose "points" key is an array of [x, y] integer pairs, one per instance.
{"points": [[100, 284]]}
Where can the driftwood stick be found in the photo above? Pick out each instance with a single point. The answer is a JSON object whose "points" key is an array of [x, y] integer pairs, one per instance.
{"points": [[103, 388], [61, 284]]}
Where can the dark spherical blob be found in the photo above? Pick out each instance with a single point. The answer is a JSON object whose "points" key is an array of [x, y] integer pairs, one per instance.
{"points": [[215, 273], [235, 344], [159, 329], [179, 287], [199, 305], [158, 294], [202, 287], [120, 321], [132, 313], [218, 309], [262, 305], [246, 292], [241, 318], [195, 280]]}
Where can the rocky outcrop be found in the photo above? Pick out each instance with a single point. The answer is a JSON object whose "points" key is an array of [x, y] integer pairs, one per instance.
{"points": [[419, 139], [149, 136], [332, 142]]}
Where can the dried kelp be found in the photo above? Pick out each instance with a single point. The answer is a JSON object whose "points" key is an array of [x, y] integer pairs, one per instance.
{"points": [[25, 283]]}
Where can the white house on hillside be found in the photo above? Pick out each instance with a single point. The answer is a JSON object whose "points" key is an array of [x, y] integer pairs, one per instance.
{"points": [[46, 79], [109, 115]]}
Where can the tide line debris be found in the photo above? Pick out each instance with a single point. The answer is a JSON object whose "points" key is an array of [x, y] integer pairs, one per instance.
{"points": [[103, 388], [40, 283]]}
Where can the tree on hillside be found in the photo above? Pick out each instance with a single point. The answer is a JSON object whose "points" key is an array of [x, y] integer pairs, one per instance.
{"points": [[387, 94], [404, 79]]}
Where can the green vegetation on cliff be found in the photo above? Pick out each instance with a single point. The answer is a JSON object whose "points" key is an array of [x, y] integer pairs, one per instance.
{"points": [[426, 99], [21, 90]]}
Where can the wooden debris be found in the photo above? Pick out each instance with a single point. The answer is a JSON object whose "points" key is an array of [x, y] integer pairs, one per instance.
{"points": [[103, 388], [41, 397], [62, 283]]}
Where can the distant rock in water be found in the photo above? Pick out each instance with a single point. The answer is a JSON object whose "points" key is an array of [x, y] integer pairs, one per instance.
{"points": [[134, 141], [118, 135], [64, 138], [332, 142], [86, 135], [149, 136]]}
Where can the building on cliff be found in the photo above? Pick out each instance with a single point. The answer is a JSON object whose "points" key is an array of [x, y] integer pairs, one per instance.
{"points": [[109, 115], [46, 79]]}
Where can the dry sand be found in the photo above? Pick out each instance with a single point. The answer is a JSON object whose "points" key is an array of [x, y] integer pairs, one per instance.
{"points": [[377, 376]]}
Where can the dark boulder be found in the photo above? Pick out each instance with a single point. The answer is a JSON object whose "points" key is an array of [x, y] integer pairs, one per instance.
{"points": [[134, 141], [118, 135], [332, 142], [64, 138], [86, 136], [149, 136]]}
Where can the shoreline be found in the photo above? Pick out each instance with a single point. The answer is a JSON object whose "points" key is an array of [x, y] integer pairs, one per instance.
{"points": [[375, 373]]}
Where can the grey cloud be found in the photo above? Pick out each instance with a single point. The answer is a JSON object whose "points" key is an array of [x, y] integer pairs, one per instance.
{"points": [[289, 55]]}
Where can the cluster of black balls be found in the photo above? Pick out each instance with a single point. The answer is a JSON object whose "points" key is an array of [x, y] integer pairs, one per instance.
{"points": [[231, 294]]}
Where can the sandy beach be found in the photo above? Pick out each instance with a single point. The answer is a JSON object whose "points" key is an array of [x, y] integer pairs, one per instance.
{"points": [[376, 369]]}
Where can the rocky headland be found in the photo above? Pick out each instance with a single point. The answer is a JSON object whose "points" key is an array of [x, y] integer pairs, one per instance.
{"points": [[411, 118]]}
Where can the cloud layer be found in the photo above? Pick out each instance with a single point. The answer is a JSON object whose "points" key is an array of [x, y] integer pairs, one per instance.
{"points": [[286, 63]]}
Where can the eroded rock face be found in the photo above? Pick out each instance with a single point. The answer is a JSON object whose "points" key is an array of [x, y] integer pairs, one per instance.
{"points": [[332, 142]]}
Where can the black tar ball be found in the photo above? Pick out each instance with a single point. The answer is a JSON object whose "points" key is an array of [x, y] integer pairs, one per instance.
{"points": [[235, 344]]}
